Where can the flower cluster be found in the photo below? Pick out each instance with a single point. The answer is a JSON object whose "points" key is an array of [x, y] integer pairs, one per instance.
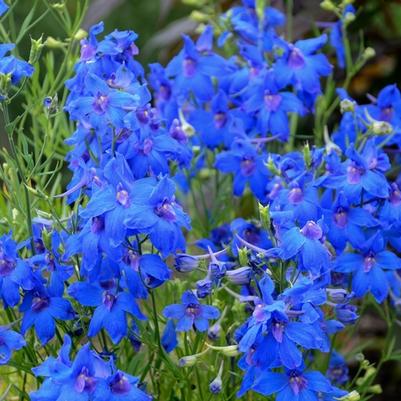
{"points": [[271, 292]]}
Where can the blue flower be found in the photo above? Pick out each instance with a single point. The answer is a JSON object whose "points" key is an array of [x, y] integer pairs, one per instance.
{"points": [[162, 216], [272, 104], [191, 313], [247, 167], [272, 336], [301, 67], [338, 372], [87, 378], [296, 385], [102, 104], [194, 67], [142, 272], [347, 223], [112, 307], [368, 267], [307, 244], [15, 273], [120, 387], [9, 341], [41, 308], [169, 338], [16, 68]]}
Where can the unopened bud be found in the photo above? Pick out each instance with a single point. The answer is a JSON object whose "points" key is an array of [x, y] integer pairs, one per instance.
{"points": [[199, 16], [376, 389], [187, 361], [368, 53], [81, 34], [328, 5], [216, 385], [264, 213], [307, 155], [381, 128], [243, 256], [352, 396], [54, 43], [36, 50], [347, 105], [349, 17]]}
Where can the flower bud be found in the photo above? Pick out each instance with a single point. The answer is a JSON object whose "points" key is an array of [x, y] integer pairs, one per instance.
{"points": [[216, 385], [264, 213], [36, 49], [347, 105], [352, 396], [186, 263], [328, 5], [349, 17], [81, 34], [243, 256], [376, 389], [52, 43], [204, 288], [199, 16], [240, 276], [307, 155], [214, 331], [368, 53], [381, 128], [187, 361]]}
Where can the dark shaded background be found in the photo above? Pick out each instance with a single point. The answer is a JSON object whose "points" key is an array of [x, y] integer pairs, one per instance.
{"points": [[160, 23]]}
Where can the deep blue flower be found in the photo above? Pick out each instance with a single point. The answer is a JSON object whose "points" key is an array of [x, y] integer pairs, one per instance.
{"points": [[15, 273], [338, 372], [9, 341], [120, 387], [272, 104], [296, 385], [142, 272], [272, 337], [162, 216], [112, 307], [169, 338], [191, 313], [301, 66], [16, 68], [194, 67], [368, 267], [247, 167], [307, 244], [347, 223], [103, 105], [41, 308]]}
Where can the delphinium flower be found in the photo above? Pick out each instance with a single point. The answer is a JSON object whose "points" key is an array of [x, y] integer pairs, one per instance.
{"points": [[297, 384], [191, 313], [41, 308], [15, 273], [9, 65], [247, 166], [272, 105], [368, 267], [301, 66], [10, 341], [87, 378], [112, 304]]}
